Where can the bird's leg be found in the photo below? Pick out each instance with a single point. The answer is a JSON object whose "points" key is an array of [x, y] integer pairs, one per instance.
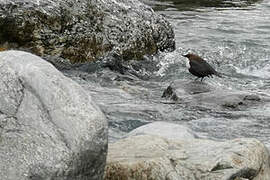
{"points": [[201, 79], [197, 78]]}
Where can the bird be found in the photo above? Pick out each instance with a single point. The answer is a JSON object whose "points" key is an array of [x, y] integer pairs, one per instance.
{"points": [[199, 67]]}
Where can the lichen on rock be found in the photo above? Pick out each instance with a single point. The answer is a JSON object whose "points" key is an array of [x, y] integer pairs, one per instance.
{"points": [[84, 30]]}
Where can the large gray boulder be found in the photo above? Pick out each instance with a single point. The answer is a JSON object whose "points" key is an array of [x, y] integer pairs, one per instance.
{"points": [[153, 157], [84, 30], [49, 126]]}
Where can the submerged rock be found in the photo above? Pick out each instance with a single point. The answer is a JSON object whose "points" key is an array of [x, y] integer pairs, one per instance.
{"points": [[155, 157], [84, 30], [49, 126], [203, 95]]}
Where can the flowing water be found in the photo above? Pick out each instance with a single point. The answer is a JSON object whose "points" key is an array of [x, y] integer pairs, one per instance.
{"points": [[235, 40]]}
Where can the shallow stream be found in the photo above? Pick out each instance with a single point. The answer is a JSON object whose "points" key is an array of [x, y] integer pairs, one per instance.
{"points": [[235, 40]]}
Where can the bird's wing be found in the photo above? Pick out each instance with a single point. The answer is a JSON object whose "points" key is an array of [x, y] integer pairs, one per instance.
{"points": [[195, 69], [211, 70], [202, 67]]}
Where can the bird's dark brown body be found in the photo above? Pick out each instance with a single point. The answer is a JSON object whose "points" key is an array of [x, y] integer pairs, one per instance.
{"points": [[199, 67]]}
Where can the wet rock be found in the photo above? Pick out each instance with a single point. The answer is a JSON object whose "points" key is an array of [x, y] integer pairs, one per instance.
{"points": [[169, 93], [153, 157], [111, 64], [203, 95], [164, 129], [115, 63], [84, 30], [232, 104], [49, 126], [60, 63], [252, 97]]}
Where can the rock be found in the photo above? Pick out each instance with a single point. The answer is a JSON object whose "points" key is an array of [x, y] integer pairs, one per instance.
{"points": [[252, 97], [152, 157], [84, 30], [49, 126], [203, 95], [170, 93], [164, 129]]}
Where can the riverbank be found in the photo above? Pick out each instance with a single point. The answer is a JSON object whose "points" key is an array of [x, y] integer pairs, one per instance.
{"points": [[217, 128]]}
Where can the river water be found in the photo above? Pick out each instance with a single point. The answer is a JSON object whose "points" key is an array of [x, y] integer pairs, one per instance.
{"points": [[235, 40]]}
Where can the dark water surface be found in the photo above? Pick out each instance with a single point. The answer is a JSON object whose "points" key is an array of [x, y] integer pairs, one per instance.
{"points": [[235, 40]]}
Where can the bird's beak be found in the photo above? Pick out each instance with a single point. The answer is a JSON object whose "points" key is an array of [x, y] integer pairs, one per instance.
{"points": [[184, 55]]}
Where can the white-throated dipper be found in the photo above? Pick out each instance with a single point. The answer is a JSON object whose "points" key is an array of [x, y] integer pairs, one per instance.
{"points": [[199, 67]]}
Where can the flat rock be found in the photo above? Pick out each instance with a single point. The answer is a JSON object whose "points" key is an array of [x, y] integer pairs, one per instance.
{"points": [[205, 96], [49, 126], [152, 157]]}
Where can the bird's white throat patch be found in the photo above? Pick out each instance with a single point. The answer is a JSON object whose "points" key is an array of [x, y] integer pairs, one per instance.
{"points": [[187, 64]]}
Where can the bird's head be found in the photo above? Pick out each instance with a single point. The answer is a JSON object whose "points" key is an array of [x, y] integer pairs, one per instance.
{"points": [[187, 55], [192, 57]]}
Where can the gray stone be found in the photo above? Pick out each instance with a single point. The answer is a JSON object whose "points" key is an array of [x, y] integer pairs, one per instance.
{"points": [[84, 30], [152, 157], [49, 126], [202, 95], [164, 129]]}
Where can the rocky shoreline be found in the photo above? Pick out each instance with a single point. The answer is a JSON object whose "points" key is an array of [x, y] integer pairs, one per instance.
{"points": [[53, 121], [162, 150]]}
